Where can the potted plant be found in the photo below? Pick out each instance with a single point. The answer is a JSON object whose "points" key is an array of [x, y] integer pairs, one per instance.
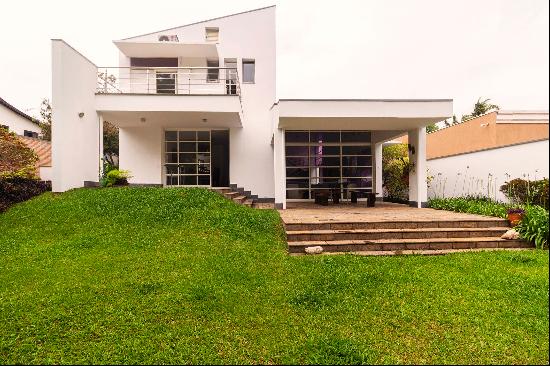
{"points": [[515, 215]]}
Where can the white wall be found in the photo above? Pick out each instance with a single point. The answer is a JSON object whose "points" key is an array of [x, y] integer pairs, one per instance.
{"points": [[249, 36], [75, 140], [140, 150], [15, 122], [469, 173], [45, 173]]}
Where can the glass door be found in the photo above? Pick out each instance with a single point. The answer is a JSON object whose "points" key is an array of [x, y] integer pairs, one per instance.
{"points": [[187, 158]]}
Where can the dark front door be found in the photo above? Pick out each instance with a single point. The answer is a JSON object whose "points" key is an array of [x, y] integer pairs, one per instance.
{"points": [[220, 158]]}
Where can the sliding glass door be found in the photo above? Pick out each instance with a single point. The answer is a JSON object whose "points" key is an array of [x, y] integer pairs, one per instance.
{"points": [[335, 157]]}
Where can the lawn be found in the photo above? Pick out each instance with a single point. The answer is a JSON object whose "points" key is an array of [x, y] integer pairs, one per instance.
{"points": [[148, 275]]}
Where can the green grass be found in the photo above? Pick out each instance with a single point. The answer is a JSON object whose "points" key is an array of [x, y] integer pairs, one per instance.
{"points": [[145, 275]]}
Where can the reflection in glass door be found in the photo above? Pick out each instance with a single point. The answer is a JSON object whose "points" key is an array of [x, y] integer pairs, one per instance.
{"points": [[187, 158]]}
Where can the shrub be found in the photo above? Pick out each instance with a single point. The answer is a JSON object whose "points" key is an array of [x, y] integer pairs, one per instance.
{"points": [[396, 167], [534, 226], [16, 159], [473, 205], [19, 189], [115, 177], [526, 191]]}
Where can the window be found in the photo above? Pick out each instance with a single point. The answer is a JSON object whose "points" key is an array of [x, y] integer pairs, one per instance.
{"points": [[213, 75], [187, 158], [230, 76], [166, 82], [212, 34], [30, 134], [249, 69]]}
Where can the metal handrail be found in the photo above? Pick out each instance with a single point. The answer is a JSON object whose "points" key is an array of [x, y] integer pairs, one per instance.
{"points": [[169, 80]]}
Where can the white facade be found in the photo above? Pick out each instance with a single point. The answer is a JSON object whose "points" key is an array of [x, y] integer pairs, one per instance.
{"points": [[483, 172], [17, 121], [213, 78]]}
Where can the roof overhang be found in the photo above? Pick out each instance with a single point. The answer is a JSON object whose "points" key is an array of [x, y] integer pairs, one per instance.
{"points": [[170, 111], [167, 49], [362, 114]]}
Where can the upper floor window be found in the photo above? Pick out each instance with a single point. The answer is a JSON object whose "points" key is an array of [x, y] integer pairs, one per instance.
{"points": [[213, 73], [249, 71], [212, 34]]}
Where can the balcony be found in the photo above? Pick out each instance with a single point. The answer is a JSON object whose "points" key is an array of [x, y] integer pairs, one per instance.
{"points": [[168, 80], [171, 97]]}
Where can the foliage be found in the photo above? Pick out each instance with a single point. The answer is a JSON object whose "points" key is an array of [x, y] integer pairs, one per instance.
{"points": [[18, 189], [46, 119], [395, 174], [432, 128], [172, 276], [473, 205], [534, 226], [110, 142], [480, 107], [16, 159], [527, 192], [115, 177]]}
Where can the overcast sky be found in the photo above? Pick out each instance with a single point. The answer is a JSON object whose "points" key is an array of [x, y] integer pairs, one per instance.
{"points": [[464, 49]]}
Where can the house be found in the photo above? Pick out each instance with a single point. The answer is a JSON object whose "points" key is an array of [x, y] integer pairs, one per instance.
{"points": [[17, 121], [197, 106], [43, 150], [479, 155]]}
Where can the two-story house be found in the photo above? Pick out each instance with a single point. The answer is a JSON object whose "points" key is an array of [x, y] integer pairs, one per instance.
{"points": [[197, 106]]}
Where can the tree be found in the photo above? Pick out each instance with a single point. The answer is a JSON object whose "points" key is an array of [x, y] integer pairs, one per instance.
{"points": [[110, 142], [46, 119], [432, 128], [16, 159], [481, 107]]}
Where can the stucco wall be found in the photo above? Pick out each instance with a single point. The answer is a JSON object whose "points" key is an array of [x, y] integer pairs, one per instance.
{"points": [[15, 122], [469, 173], [140, 150], [244, 36], [75, 140]]}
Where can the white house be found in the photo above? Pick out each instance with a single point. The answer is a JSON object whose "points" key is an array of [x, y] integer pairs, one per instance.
{"points": [[17, 121], [197, 106]]}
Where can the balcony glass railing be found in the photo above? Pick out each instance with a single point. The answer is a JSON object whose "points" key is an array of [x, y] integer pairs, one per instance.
{"points": [[168, 80]]}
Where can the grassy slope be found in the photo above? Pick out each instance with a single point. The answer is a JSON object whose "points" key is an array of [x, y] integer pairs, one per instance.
{"points": [[150, 275]]}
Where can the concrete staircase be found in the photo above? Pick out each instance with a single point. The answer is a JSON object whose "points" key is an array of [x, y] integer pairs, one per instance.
{"points": [[242, 197], [398, 236]]}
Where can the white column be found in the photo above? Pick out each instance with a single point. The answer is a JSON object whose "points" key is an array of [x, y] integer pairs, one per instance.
{"points": [[418, 187], [378, 171], [100, 148], [280, 168]]}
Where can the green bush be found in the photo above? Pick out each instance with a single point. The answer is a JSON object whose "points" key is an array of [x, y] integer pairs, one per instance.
{"points": [[526, 191], [115, 177], [534, 226], [395, 175]]}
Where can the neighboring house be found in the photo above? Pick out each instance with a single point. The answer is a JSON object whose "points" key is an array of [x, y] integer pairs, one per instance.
{"points": [[479, 155], [17, 121], [43, 150], [197, 106]]}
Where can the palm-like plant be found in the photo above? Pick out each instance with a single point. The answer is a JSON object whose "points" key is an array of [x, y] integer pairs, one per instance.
{"points": [[481, 107]]}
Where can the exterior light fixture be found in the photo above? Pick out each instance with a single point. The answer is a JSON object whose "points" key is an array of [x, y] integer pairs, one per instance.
{"points": [[204, 120], [142, 120], [81, 114]]}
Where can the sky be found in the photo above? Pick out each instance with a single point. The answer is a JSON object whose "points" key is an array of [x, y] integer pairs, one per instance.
{"points": [[369, 49]]}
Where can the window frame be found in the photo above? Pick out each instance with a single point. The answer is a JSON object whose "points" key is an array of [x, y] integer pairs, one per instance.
{"points": [[248, 61]]}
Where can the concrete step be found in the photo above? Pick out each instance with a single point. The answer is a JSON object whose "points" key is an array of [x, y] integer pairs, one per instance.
{"points": [[264, 205], [248, 202], [221, 190], [239, 199], [375, 234], [407, 244], [482, 223], [231, 195]]}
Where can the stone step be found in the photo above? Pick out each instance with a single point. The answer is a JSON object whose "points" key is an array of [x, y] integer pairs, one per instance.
{"points": [[407, 244], [374, 234], [264, 205], [481, 223], [248, 202], [239, 199], [221, 190], [231, 195]]}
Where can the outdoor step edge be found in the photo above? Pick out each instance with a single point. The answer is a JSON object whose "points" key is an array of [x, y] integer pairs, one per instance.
{"points": [[407, 230]]}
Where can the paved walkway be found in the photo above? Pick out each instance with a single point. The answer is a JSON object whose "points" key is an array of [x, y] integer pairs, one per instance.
{"points": [[306, 212]]}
